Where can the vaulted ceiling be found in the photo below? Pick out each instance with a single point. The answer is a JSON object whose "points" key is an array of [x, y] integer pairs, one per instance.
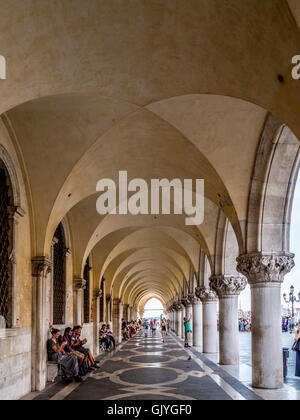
{"points": [[162, 89]]}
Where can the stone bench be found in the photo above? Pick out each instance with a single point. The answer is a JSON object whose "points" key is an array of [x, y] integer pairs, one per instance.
{"points": [[52, 371]]}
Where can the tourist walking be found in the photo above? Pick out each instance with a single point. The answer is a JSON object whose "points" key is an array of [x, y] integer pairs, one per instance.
{"points": [[154, 328], [188, 330], [163, 330]]}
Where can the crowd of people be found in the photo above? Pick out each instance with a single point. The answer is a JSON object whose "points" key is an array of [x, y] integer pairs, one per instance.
{"points": [[129, 329], [288, 323], [245, 323], [107, 340], [68, 351]]}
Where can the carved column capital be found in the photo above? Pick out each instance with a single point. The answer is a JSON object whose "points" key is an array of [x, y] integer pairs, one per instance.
{"points": [[194, 299], [261, 268], [178, 306], [185, 301], [98, 293], [206, 295], [108, 298], [79, 284], [226, 286], [41, 266]]}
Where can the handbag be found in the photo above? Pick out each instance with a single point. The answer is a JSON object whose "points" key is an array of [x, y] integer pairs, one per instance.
{"points": [[296, 346]]}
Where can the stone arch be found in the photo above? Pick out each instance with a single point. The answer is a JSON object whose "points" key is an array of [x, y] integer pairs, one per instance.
{"points": [[272, 188]]}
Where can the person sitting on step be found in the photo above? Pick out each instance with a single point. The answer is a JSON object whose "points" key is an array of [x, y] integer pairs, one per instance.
{"points": [[68, 362], [104, 338], [83, 361], [110, 335], [77, 344]]}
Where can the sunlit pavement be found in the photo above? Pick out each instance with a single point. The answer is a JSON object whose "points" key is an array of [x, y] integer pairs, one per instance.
{"points": [[243, 373]]}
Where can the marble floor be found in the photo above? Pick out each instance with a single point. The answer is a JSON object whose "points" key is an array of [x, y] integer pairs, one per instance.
{"points": [[146, 369]]}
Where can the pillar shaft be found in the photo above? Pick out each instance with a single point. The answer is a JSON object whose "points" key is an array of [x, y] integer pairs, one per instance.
{"points": [[209, 301], [229, 347], [265, 273], [197, 323], [96, 320], [117, 318], [179, 322], [41, 268], [78, 286], [228, 289], [182, 322]]}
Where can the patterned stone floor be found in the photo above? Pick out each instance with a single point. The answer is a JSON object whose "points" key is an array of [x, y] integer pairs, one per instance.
{"points": [[146, 369]]}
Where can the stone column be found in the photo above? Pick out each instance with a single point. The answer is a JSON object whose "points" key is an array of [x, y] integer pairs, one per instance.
{"points": [[96, 319], [172, 326], [41, 268], [189, 313], [103, 300], [183, 311], [117, 317], [172, 323], [265, 273], [175, 328], [179, 321], [197, 322], [228, 289], [210, 330], [79, 285], [126, 312], [108, 309]]}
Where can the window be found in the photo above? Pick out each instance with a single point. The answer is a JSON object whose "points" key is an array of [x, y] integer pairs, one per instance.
{"points": [[6, 246], [59, 276]]}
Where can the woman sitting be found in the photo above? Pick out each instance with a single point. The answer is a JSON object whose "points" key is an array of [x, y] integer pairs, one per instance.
{"points": [[83, 361], [68, 362]]}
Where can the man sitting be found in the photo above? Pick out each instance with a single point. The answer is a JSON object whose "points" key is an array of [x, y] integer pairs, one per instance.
{"points": [[110, 335], [77, 344], [104, 338]]}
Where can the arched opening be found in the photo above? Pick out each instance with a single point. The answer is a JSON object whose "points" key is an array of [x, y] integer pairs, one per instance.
{"points": [[59, 276], [6, 247], [291, 285], [153, 308]]}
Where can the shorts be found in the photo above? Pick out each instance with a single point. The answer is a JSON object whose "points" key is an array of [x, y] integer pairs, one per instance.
{"points": [[188, 335]]}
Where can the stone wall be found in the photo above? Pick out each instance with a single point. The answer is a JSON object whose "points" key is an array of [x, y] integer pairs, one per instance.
{"points": [[15, 366], [88, 333]]}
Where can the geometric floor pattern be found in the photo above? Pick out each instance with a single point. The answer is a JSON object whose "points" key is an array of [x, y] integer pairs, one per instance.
{"points": [[147, 369]]}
